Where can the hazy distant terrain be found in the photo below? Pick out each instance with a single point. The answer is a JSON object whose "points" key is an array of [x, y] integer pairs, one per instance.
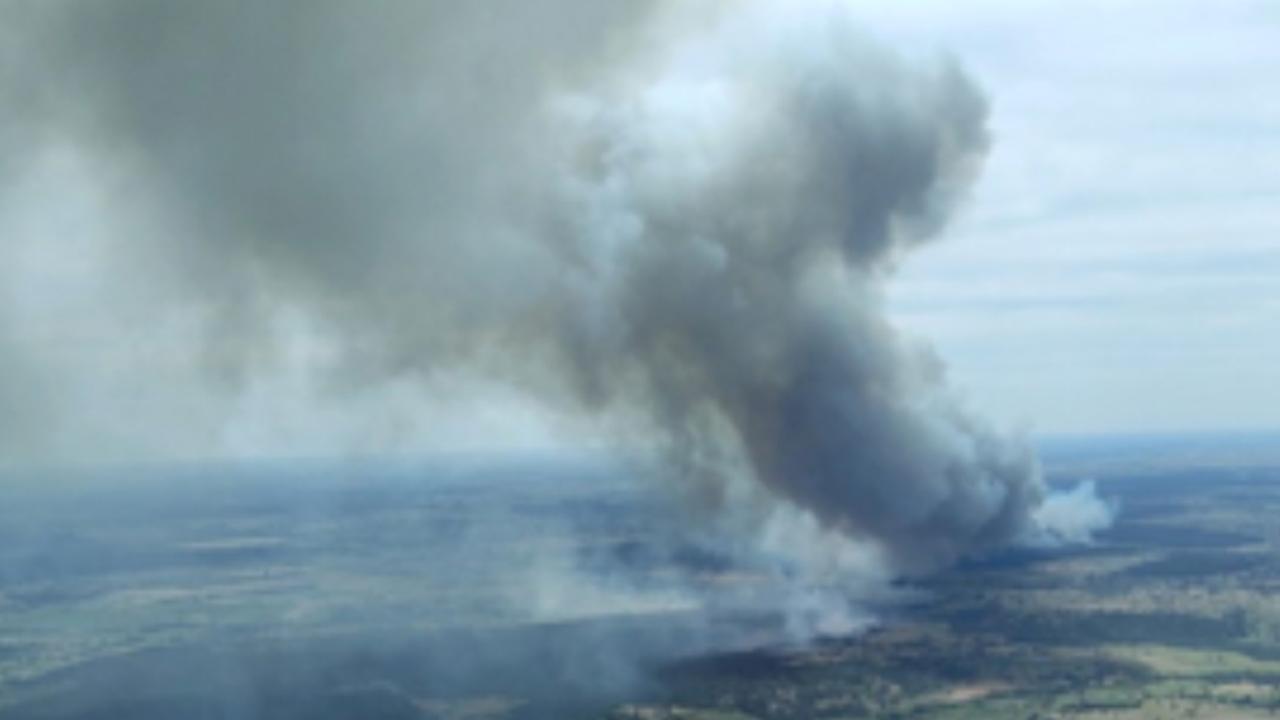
{"points": [[410, 592], [638, 359]]}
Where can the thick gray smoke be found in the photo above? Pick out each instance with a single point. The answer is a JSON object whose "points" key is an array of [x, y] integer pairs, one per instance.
{"points": [[678, 222]]}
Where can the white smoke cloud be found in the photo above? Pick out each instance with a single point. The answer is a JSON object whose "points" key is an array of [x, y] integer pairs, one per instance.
{"points": [[1074, 516], [673, 225]]}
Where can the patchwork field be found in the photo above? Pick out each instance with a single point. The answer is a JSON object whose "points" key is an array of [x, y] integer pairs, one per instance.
{"points": [[1174, 612], [240, 603]]}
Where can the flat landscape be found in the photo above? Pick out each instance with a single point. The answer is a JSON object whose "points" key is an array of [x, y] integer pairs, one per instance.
{"points": [[1170, 613], [387, 596], [639, 360]]}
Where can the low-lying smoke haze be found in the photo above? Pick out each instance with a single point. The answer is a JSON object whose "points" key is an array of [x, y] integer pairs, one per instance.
{"points": [[673, 227]]}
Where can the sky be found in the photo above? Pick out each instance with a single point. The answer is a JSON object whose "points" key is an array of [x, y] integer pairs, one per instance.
{"points": [[1115, 270], [1111, 270]]}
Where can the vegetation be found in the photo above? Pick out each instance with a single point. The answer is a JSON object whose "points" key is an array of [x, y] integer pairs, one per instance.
{"points": [[1170, 615]]}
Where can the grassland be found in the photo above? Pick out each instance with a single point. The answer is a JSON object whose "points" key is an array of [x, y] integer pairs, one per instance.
{"points": [[1174, 613], [271, 610]]}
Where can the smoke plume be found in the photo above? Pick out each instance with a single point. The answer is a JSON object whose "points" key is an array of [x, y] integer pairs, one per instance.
{"points": [[677, 222], [1074, 516]]}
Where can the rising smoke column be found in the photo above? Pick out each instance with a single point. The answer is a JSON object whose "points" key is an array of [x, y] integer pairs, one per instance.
{"points": [[738, 214], [680, 221]]}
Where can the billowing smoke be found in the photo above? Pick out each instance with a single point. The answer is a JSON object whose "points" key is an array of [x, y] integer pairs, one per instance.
{"points": [[1074, 516], [676, 221]]}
